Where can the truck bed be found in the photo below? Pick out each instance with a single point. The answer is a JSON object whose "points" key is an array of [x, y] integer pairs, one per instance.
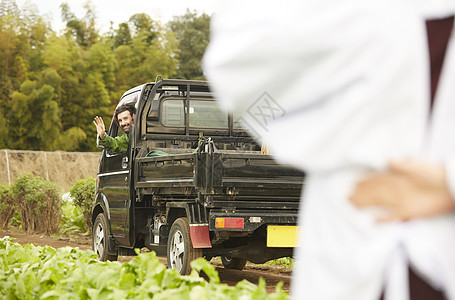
{"points": [[238, 178]]}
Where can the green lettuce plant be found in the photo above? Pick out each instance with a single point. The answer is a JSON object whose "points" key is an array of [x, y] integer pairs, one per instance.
{"points": [[29, 272]]}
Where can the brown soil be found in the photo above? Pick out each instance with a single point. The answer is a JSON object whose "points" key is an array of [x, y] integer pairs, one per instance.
{"points": [[251, 272], [22, 238]]}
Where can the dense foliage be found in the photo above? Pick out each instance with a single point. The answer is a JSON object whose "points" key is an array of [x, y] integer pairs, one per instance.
{"points": [[40, 208], [73, 222], [28, 272], [38, 202], [53, 84], [83, 194], [192, 33], [7, 206]]}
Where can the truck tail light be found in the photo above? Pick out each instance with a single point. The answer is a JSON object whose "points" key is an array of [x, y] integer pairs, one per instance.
{"points": [[236, 223]]}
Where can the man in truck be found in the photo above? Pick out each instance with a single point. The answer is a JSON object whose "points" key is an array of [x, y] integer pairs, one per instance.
{"points": [[124, 117]]}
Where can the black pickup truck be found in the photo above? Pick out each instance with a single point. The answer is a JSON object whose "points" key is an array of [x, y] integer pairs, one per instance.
{"points": [[193, 183]]}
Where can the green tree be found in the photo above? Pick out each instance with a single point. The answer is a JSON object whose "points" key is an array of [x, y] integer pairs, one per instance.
{"points": [[22, 37], [71, 139], [141, 62], [63, 62], [145, 26], [122, 35], [35, 116], [192, 33], [81, 79], [101, 60], [9, 27], [52, 85], [82, 30], [3, 131]]}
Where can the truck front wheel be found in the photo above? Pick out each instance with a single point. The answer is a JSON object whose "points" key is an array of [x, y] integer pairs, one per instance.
{"points": [[99, 238], [180, 251], [233, 262]]}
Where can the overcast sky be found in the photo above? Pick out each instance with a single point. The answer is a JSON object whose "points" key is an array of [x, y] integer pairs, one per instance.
{"points": [[120, 11]]}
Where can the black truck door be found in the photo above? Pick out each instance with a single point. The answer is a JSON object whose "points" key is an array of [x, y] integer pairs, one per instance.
{"points": [[114, 184]]}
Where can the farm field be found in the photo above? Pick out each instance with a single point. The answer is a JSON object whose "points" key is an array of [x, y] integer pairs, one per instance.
{"points": [[272, 274]]}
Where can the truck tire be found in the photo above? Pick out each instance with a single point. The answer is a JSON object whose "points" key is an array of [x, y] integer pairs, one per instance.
{"points": [[99, 238], [233, 262], [180, 251]]}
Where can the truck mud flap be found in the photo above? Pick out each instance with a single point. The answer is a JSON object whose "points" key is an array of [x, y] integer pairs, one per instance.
{"points": [[200, 236]]}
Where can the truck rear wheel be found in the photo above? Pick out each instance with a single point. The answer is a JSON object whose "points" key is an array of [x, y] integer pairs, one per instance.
{"points": [[180, 251], [99, 238], [233, 262]]}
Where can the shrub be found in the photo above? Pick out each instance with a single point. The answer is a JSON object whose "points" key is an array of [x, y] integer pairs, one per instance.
{"points": [[83, 194], [39, 203], [72, 219], [7, 206]]}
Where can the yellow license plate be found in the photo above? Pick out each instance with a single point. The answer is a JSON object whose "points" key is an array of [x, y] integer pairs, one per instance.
{"points": [[282, 236]]}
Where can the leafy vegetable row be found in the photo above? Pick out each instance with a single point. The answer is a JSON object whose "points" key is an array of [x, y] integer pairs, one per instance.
{"points": [[29, 272]]}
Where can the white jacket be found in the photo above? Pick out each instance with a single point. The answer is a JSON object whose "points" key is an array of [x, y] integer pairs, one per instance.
{"points": [[338, 88]]}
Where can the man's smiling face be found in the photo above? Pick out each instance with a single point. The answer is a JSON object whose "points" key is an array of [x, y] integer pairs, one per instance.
{"points": [[125, 120]]}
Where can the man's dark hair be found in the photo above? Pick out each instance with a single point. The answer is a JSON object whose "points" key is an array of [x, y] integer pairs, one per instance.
{"points": [[122, 108]]}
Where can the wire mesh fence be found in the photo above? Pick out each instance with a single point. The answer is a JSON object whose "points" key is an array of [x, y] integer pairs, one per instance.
{"points": [[63, 168]]}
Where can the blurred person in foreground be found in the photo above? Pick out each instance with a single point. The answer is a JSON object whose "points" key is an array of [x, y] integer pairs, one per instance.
{"points": [[358, 84]]}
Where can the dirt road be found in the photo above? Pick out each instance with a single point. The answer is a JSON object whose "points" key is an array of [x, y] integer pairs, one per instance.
{"points": [[272, 274]]}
